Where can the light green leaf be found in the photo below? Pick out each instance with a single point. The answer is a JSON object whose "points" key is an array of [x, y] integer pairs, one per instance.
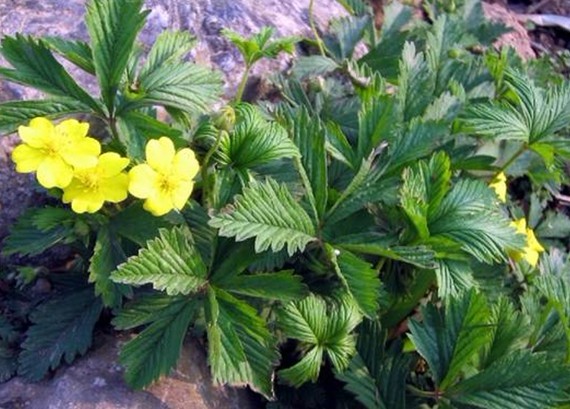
{"points": [[75, 51], [268, 212], [169, 48], [113, 26], [170, 262]]}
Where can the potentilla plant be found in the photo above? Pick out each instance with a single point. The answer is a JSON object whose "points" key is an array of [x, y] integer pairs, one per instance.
{"points": [[363, 239]]}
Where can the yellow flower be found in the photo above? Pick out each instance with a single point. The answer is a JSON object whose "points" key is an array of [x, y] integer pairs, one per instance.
{"points": [[53, 151], [499, 185], [165, 180], [104, 182], [532, 249]]}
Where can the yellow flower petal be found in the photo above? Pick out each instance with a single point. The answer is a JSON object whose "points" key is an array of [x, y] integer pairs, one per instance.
{"points": [[185, 164], [181, 195], [499, 185], [159, 204], [142, 181], [531, 256], [115, 189], [532, 242], [111, 164], [26, 158], [83, 153], [72, 128], [160, 153], [36, 134], [87, 202], [54, 172], [519, 225]]}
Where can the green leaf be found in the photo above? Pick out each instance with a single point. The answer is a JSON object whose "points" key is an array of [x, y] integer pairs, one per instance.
{"points": [[170, 262], [344, 34], [268, 212], [448, 339], [107, 255], [169, 48], [75, 51], [359, 278], [453, 277], [113, 26], [241, 350], [260, 45], [360, 383], [376, 121], [469, 216], [309, 136], [137, 225], [185, 86], [8, 362], [16, 113], [28, 238], [325, 327], [61, 329], [283, 286], [156, 349], [254, 141], [35, 66], [520, 380], [313, 66]]}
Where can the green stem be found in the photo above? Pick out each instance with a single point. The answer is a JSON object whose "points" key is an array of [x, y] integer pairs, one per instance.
{"points": [[509, 162], [314, 29], [421, 393], [242, 84], [204, 168]]}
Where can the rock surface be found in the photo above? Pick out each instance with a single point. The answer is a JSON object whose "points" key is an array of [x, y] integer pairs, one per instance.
{"points": [[96, 382]]}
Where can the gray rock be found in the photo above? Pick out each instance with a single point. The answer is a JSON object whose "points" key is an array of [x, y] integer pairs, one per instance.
{"points": [[96, 382]]}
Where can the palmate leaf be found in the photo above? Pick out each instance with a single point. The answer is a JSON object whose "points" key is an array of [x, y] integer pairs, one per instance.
{"points": [[107, 255], [282, 285], [535, 115], [168, 48], [449, 338], [113, 26], [241, 350], [359, 278], [469, 216], [170, 262], [254, 141], [260, 44], [267, 212], [16, 113], [62, 329], [34, 65], [520, 380], [325, 328], [156, 349], [185, 86]]}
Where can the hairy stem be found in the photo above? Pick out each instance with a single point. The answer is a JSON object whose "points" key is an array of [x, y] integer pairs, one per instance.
{"points": [[314, 29], [242, 84], [204, 168]]}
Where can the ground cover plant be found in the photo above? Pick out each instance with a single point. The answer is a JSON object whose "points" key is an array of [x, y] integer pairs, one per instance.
{"points": [[387, 229]]}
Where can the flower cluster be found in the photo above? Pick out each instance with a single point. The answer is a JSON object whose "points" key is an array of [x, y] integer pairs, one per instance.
{"points": [[64, 157]]}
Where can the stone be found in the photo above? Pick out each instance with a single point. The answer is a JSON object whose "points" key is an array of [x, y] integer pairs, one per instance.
{"points": [[95, 381]]}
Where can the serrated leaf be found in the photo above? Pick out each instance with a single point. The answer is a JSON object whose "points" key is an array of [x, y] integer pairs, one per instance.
{"points": [[359, 278], [8, 362], [241, 350], [520, 380], [453, 278], [267, 212], [376, 123], [113, 26], [75, 51], [107, 255], [344, 34], [254, 141], [282, 285], [61, 329], [34, 65], [170, 262], [156, 349], [309, 136], [16, 113], [361, 384], [326, 328], [169, 47], [448, 339], [313, 66]]}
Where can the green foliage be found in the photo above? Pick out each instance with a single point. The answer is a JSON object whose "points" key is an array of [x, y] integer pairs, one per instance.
{"points": [[340, 234]]}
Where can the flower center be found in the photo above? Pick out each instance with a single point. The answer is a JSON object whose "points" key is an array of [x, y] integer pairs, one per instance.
{"points": [[168, 183]]}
